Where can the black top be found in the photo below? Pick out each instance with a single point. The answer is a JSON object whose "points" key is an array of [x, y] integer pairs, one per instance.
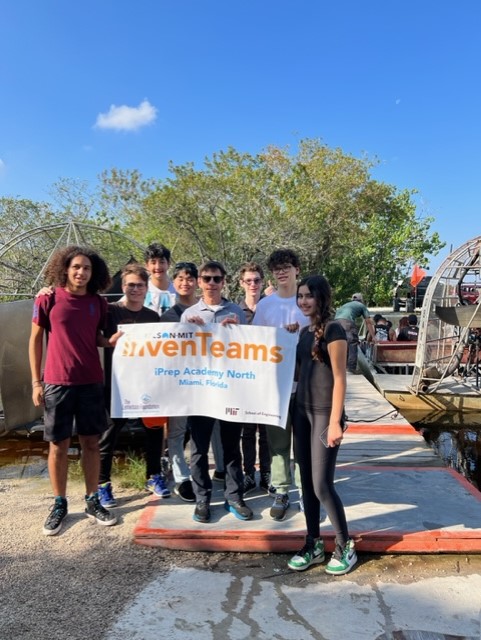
{"points": [[315, 380], [173, 314], [408, 333], [119, 314]]}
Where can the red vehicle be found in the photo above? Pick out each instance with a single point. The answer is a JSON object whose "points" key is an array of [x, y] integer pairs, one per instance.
{"points": [[469, 293]]}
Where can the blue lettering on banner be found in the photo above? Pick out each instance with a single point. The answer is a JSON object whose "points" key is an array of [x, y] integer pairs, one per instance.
{"points": [[160, 371], [248, 375], [214, 373], [214, 383]]}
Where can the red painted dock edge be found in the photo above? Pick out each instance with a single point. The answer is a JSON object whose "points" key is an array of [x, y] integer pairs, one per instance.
{"points": [[278, 541], [397, 429]]}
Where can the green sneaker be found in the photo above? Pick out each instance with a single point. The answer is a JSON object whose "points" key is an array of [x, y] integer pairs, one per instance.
{"points": [[311, 553], [342, 560]]}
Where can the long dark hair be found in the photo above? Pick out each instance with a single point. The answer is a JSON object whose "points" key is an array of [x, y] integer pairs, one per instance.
{"points": [[56, 270], [320, 289]]}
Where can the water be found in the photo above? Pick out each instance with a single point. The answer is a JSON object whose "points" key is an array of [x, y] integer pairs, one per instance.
{"points": [[24, 447], [458, 446]]}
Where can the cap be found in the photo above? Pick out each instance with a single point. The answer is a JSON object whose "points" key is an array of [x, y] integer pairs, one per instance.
{"points": [[358, 297], [412, 319]]}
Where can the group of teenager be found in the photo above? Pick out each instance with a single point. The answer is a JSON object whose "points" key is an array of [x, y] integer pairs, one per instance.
{"points": [[78, 320]]}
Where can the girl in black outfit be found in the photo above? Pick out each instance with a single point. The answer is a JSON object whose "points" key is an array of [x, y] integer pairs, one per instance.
{"points": [[318, 424]]}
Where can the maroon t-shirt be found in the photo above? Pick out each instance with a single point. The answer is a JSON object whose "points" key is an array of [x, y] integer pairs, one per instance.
{"points": [[72, 323]]}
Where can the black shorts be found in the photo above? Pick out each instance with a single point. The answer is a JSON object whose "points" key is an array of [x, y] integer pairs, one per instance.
{"points": [[80, 405]]}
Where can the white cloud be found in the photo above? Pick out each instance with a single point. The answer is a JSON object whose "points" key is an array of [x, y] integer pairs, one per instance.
{"points": [[126, 118]]}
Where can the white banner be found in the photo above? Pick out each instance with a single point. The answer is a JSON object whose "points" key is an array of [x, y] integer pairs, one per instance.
{"points": [[238, 373]]}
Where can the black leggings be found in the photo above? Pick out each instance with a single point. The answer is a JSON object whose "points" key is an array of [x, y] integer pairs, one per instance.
{"points": [[317, 465]]}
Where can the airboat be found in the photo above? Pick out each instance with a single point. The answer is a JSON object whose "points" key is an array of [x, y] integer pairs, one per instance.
{"points": [[22, 263], [446, 371]]}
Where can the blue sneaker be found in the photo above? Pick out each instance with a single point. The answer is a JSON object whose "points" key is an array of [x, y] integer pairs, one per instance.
{"points": [[158, 486], [106, 496], [202, 511], [239, 509]]}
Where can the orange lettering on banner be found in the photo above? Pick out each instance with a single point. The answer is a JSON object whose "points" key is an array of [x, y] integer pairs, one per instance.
{"points": [[153, 348], [276, 353], [203, 342], [191, 345], [234, 351], [217, 349], [255, 349], [204, 347], [171, 348]]}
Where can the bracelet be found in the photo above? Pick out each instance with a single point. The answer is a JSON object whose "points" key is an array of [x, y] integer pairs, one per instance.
{"points": [[37, 383]]}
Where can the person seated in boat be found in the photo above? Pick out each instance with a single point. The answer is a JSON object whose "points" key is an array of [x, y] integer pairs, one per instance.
{"points": [[347, 315], [392, 333], [382, 330], [402, 324], [409, 333]]}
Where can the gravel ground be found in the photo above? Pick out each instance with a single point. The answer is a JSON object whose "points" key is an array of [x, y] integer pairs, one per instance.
{"points": [[74, 584]]}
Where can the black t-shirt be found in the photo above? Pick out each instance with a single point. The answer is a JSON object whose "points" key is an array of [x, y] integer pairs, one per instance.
{"points": [[117, 314], [409, 333], [173, 314], [314, 378]]}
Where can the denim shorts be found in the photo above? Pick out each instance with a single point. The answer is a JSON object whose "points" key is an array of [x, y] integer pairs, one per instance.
{"points": [[80, 406]]}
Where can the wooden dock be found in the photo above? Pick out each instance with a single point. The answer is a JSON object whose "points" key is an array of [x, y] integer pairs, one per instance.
{"points": [[398, 497]]}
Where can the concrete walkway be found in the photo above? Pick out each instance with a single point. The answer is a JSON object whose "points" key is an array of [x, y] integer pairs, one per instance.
{"points": [[201, 605]]}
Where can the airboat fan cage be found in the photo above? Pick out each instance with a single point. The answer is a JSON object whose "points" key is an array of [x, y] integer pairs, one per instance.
{"points": [[23, 258], [450, 323]]}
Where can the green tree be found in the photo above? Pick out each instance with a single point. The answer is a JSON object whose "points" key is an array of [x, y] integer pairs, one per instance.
{"points": [[361, 233]]}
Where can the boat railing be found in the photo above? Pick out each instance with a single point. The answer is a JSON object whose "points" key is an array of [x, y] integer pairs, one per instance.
{"points": [[392, 356], [442, 358]]}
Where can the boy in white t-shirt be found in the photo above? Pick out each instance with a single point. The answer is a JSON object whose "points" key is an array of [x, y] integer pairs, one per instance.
{"points": [[279, 310], [161, 292]]}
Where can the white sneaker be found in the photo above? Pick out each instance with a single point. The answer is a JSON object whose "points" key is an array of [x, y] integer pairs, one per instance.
{"points": [[342, 560]]}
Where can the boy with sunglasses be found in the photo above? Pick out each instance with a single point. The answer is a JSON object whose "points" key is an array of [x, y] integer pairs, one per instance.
{"points": [[213, 308]]}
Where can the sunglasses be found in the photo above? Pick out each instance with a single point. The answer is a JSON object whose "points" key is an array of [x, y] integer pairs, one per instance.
{"points": [[253, 281], [135, 285], [216, 279]]}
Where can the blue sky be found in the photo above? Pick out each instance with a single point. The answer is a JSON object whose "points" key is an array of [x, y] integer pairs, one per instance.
{"points": [[86, 86]]}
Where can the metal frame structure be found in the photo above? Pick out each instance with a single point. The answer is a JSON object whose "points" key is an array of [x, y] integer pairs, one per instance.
{"points": [[444, 349]]}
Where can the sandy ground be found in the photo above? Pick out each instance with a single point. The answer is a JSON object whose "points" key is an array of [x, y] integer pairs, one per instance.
{"points": [[75, 584]]}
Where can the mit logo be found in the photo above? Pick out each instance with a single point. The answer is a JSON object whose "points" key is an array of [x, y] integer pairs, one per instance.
{"points": [[232, 411]]}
